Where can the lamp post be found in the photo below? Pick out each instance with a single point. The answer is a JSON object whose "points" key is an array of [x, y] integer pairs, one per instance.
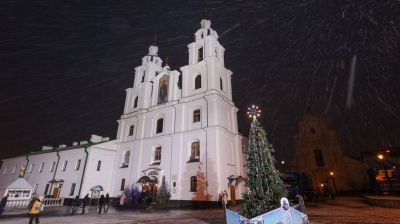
{"points": [[332, 174], [381, 159]]}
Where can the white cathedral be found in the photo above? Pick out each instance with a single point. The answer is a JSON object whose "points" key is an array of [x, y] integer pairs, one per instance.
{"points": [[178, 128]]}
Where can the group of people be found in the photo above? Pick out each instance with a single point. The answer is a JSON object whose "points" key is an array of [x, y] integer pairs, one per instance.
{"points": [[104, 203], [136, 197]]}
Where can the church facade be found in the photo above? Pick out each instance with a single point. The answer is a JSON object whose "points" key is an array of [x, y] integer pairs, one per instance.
{"points": [[178, 128]]}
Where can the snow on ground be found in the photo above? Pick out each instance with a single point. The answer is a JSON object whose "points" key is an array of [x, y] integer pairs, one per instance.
{"points": [[344, 210]]}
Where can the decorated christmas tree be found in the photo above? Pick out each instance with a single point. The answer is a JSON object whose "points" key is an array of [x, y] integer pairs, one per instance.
{"points": [[265, 188]]}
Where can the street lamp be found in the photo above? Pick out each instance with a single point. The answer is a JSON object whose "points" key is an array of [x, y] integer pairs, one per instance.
{"points": [[380, 158], [332, 174]]}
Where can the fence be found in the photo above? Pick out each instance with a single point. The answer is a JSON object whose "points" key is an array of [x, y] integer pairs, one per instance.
{"points": [[23, 203], [53, 202], [18, 203]]}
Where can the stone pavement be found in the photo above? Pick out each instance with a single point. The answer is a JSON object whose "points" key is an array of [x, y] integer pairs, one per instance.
{"points": [[350, 210]]}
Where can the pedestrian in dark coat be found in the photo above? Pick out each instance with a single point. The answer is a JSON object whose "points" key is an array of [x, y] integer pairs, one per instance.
{"points": [[140, 197], [84, 202], [149, 199], [75, 204], [3, 204], [101, 203], [107, 202]]}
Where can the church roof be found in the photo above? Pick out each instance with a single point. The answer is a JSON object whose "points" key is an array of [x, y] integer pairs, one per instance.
{"points": [[20, 183]]}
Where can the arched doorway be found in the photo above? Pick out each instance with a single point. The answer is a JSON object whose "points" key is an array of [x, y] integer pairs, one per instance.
{"points": [[149, 186], [55, 187], [233, 182]]}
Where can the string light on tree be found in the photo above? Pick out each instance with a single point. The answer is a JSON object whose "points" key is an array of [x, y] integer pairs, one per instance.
{"points": [[265, 188], [253, 112]]}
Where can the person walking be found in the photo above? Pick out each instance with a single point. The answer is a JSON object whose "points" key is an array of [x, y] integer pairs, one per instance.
{"points": [[149, 198], [33, 199], [101, 203], [107, 202], [122, 200], [75, 204], [225, 198], [222, 197], [3, 204], [84, 202], [37, 207]]}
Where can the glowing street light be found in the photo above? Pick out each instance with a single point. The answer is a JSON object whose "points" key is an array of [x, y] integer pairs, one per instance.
{"points": [[332, 174], [381, 157]]}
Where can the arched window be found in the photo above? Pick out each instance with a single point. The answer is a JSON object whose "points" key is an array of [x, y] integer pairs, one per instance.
{"points": [[220, 84], [157, 154], [319, 159], [135, 102], [197, 82], [131, 130], [160, 125], [195, 152], [196, 115], [193, 184], [98, 165], [180, 81], [122, 184], [125, 162], [163, 89], [143, 76], [200, 54]]}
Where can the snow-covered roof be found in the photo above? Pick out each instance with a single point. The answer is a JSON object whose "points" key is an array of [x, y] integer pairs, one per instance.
{"points": [[97, 188], [20, 183]]}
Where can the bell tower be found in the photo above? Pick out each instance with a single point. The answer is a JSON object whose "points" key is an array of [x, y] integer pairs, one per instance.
{"points": [[205, 70]]}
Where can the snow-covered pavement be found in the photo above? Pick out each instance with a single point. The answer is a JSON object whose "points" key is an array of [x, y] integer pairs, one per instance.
{"points": [[351, 210], [344, 210]]}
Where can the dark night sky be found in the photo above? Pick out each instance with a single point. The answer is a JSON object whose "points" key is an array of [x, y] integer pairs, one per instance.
{"points": [[65, 65]]}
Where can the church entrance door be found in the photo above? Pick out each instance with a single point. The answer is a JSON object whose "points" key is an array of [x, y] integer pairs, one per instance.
{"points": [[233, 194]]}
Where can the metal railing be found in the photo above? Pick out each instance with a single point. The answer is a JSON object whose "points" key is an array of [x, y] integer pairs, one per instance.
{"points": [[53, 202], [23, 203], [18, 203]]}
